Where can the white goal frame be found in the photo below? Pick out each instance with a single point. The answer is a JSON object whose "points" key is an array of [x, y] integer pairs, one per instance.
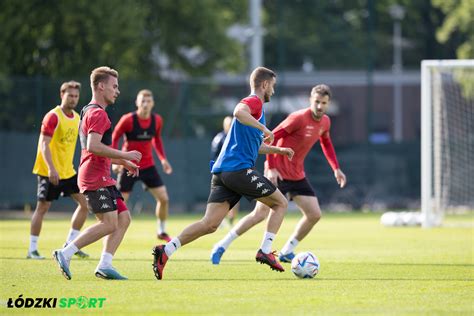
{"points": [[431, 214]]}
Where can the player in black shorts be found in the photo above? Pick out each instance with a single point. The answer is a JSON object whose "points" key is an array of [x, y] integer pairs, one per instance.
{"points": [[142, 131], [234, 175], [54, 166]]}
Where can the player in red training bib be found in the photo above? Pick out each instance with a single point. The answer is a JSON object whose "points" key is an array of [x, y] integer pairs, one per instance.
{"points": [[299, 131], [142, 130], [95, 181]]}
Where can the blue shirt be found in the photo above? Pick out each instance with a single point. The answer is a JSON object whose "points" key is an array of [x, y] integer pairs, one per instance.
{"points": [[241, 145]]}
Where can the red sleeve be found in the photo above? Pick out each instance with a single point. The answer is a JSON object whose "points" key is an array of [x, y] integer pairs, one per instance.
{"points": [[290, 124], [157, 142], [124, 125], [328, 150], [255, 106], [96, 121], [278, 133], [49, 124]]}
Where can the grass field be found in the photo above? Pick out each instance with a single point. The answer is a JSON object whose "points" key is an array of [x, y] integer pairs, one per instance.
{"points": [[365, 269]]}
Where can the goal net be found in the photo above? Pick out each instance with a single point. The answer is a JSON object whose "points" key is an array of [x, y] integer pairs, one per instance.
{"points": [[447, 139]]}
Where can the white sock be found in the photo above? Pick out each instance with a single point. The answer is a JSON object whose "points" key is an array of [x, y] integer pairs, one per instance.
{"points": [[289, 246], [227, 240], [161, 226], [73, 233], [267, 242], [69, 251], [172, 246], [105, 260], [33, 243]]}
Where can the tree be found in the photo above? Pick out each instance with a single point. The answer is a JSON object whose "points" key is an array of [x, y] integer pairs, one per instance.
{"points": [[459, 22], [71, 37]]}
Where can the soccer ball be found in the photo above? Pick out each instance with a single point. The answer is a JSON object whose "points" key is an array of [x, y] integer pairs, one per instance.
{"points": [[305, 265]]}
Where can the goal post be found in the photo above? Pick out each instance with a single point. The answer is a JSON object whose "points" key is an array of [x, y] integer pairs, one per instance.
{"points": [[447, 138]]}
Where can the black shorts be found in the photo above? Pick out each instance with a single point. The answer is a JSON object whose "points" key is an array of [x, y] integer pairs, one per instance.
{"points": [[49, 192], [292, 188], [149, 177], [231, 186], [104, 200]]}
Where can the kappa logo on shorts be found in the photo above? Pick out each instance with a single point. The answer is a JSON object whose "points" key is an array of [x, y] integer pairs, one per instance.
{"points": [[105, 205], [254, 178], [265, 191], [259, 185], [249, 171], [102, 197], [101, 190]]}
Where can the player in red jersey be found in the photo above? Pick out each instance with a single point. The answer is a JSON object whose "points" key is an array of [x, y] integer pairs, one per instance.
{"points": [[299, 131], [142, 131], [95, 181]]}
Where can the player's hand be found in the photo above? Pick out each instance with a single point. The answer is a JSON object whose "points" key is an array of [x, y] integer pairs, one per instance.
{"points": [[286, 151], [268, 136], [166, 166], [53, 176], [273, 175], [340, 177], [133, 155], [116, 168], [132, 168]]}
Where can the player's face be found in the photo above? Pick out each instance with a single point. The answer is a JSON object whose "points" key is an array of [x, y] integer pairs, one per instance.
{"points": [[111, 90], [269, 86], [70, 98], [319, 105], [144, 103]]}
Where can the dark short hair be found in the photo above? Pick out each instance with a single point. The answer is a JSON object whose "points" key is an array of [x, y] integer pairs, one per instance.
{"points": [[321, 89], [259, 75]]}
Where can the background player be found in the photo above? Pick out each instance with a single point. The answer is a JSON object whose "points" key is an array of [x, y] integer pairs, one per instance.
{"points": [[142, 131], [54, 166], [234, 175], [95, 181], [216, 146], [299, 131]]}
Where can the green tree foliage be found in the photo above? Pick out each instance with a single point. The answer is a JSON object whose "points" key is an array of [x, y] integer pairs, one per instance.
{"points": [[334, 34], [459, 22], [70, 37]]}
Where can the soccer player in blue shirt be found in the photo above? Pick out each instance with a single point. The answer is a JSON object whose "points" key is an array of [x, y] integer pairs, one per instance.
{"points": [[234, 175]]}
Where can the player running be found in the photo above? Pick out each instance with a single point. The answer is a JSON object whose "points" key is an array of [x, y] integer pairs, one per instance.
{"points": [[54, 166], [142, 131], [234, 175], [300, 131], [95, 181]]}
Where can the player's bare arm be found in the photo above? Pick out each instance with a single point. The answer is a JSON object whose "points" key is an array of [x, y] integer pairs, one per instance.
{"points": [[166, 166], [340, 177], [131, 167], [46, 152], [95, 146], [267, 149], [243, 114]]}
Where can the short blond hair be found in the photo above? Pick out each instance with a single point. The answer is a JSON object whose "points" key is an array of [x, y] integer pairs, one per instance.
{"points": [[145, 93], [102, 74], [70, 85], [259, 75]]}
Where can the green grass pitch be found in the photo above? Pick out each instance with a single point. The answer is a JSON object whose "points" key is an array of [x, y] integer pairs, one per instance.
{"points": [[365, 269]]}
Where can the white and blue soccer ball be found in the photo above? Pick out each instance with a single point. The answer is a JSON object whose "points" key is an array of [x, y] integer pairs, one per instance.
{"points": [[305, 265]]}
